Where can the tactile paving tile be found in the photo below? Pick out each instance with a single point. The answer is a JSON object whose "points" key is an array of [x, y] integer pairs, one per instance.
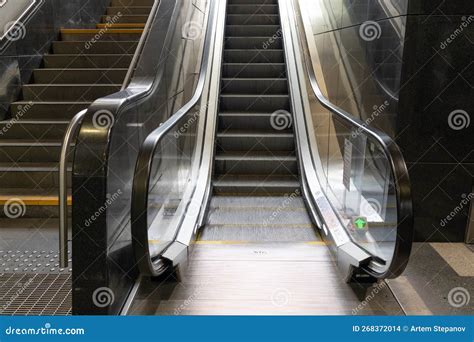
{"points": [[31, 262], [35, 294]]}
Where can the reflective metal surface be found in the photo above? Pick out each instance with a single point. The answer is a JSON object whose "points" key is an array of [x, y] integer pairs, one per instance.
{"points": [[107, 150], [360, 46], [70, 135], [166, 173], [360, 171]]}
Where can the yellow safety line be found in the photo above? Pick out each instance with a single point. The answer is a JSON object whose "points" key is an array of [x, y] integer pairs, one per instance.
{"points": [[237, 225], [223, 242], [35, 200], [230, 242], [110, 31]]}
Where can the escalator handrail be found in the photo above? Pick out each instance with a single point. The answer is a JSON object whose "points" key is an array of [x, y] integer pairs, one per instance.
{"points": [[399, 171], [71, 134], [147, 153]]}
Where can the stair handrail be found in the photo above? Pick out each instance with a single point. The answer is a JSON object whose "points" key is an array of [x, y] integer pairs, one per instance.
{"points": [[71, 134], [23, 17]]}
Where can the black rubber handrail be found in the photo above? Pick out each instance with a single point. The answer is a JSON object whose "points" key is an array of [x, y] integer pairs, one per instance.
{"points": [[399, 170], [144, 164]]}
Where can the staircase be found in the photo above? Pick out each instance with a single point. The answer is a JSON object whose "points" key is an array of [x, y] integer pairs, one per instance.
{"points": [[255, 153], [83, 65]]}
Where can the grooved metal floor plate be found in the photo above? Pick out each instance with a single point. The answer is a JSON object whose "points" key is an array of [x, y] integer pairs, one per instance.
{"points": [[31, 282], [35, 294], [259, 219]]}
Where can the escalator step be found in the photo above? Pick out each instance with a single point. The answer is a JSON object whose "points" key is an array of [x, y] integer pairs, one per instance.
{"points": [[254, 56], [252, 9], [256, 185], [255, 141], [256, 19], [253, 30], [245, 163], [254, 103], [243, 121], [254, 86], [253, 43], [251, 70]]}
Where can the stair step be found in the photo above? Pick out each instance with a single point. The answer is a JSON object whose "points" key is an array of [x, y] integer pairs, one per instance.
{"points": [[125, 19], [253, 141], [130, 10], [133, 3], [44, 130], [256, 185], [110, 26], [74, 35], [254, 103], [30, 151], [262, 86], [252, 2], [247, 163], [37, 203], [252, 9], [256, 19], [79, 76], [29, 175], [247, 30], [254, 56], [87, 61], [257, 121], [253, 43], [254, 70], [68, 92], [64, 111], [100, 47]]}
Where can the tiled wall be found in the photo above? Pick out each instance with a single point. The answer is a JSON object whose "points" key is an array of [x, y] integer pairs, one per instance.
{"points": [[436, 105], [20, 57]]}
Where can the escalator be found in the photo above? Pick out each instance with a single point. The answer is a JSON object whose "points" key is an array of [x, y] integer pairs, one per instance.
{"points": [[258, 194]]}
